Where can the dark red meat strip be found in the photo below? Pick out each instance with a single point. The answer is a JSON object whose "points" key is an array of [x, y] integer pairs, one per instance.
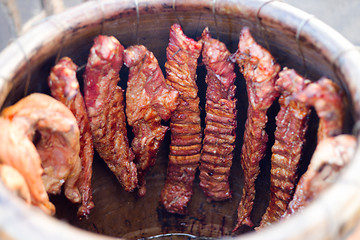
{"points": [[260, 70], [148, 101], [329, 157], [291, 126], [219, 134], [326, 97], [105, 105], [64, 87], [182, 54]]}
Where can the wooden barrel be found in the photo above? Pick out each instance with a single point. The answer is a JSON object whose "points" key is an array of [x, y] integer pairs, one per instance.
{"points": [[296, 39]]}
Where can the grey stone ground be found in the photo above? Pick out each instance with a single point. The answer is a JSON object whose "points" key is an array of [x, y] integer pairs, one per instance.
{"points": [[343, 15]]}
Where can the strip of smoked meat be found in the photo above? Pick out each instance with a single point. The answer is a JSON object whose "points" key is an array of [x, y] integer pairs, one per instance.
{"points": [[65, 88], [325, 96], [220, 120], [105, 105], [148, 101], [291, 127], [260, 71], [185, 124], [330, 156]]}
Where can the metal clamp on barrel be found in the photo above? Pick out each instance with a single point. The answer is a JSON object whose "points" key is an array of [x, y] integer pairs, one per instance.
{"points": [[56, 21], [28, 75], [258, 20], [297, 37]]}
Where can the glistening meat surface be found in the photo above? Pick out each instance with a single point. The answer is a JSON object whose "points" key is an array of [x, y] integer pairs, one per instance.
{"points": [[13, 180], [50, 126], [105, 105], [19, 152], [260, 70], [220, 120], [327, 99], [64, 87], [330, 156], [148, 101], [291, 126], [182, 54]]}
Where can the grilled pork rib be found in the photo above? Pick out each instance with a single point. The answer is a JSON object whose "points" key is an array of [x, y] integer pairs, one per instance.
{"points": [[219, 134], [260, 70], [64, 87], [105, 105], [291, 126], [148, 101], [182, 54]]}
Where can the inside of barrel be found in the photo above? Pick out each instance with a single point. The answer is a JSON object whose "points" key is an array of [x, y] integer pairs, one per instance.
{"points": [[121, 214]]}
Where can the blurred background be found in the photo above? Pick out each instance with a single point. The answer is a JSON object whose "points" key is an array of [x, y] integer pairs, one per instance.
{"points": [[17, 16]]}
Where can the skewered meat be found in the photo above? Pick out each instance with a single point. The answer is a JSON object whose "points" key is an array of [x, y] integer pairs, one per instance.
{"points": [[14, 181], [50, 126], [219, 134], [148, 101], [260, 70], [325, 96], [64, 87], [182, 54], [291, 126], [330, 156], [105, 105]]}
